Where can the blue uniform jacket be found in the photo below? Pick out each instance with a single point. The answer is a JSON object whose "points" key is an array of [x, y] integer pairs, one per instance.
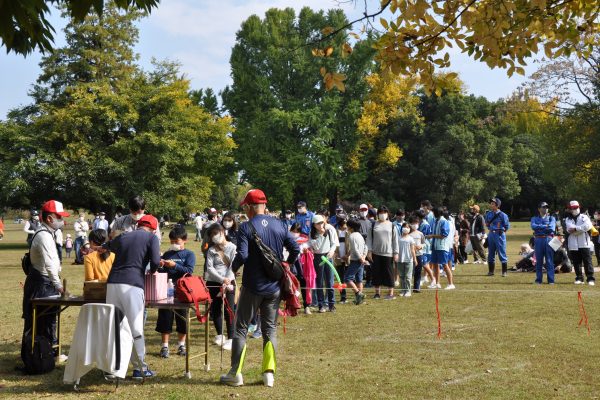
{"points": [[498, 222], [442, 227], [185, 261], [543, 226], [305, 221]]}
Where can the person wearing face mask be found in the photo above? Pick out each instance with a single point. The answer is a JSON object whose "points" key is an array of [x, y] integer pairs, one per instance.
{"points": [[129, 222], [81, 229], [419, 239], [304, 217], [579, 243], [596, 238], [286, 217], [32, 225], [43, 279], [97, 264], [176, 262], [382, 243], [543, 226], [366, 225], [407, 258], [220, 279], [230, 226], [426, 208], [324, 242], [441, 255], [339, 215], [101, 222], [497, 223]]}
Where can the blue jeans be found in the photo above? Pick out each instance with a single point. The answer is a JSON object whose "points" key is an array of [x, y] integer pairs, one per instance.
{"points": [[78, 244], [543, 250], [324, 280]]}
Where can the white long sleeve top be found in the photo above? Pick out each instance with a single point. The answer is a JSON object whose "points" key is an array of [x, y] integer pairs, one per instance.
{"points": [[44, 255]]}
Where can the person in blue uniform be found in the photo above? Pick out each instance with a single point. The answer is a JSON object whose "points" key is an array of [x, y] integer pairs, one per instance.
{"points": [[497, 223], [543, 226], [304, 218]]}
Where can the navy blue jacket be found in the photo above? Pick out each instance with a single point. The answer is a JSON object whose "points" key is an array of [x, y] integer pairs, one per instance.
{"points": [[274, 234], [185, 261], [133, 251]]}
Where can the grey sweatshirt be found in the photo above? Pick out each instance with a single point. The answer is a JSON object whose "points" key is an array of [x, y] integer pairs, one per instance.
{"points": [[216, 269], [356, 246], [382, 240]]}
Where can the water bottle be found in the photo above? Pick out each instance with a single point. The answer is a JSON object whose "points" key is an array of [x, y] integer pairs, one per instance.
{"points": [[170, 291]]}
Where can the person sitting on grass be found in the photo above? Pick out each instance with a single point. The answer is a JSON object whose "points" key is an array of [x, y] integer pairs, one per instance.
{"points": [[527, 262], [97, 264], [176, 262], [220, 280], [356, 258]]}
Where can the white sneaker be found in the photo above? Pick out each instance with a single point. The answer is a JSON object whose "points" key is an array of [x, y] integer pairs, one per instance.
{"points": [[307, 311], [450, 287], [423, 282], [232, 380], [268, 379], [438, 285], [433, 285], [466, 261], [218, 340], [227, 344], [62, 358], [591, 283], [407, 294], [396, 283], [578, 282], [426, 279]]}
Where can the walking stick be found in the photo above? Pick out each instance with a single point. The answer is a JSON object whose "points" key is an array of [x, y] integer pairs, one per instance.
{"points": [[222, 322]]}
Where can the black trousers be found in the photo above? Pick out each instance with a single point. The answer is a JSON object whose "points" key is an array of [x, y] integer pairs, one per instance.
{"points": [[582, 256], [215, 308], [299, 273], [37, 285]]}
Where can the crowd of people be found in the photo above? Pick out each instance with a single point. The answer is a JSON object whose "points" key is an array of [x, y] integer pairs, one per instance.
{"points": [[392, 253]]}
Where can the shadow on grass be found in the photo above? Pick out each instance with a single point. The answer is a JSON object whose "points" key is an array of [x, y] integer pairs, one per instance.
{"points": [[14, 246]]}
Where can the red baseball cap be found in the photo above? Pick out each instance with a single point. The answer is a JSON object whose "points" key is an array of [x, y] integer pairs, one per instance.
{"points": [[254, 196], [55, 207], [149, 221]]}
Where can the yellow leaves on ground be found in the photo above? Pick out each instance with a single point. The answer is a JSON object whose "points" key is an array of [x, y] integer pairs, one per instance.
{"points": [[333, 79]]}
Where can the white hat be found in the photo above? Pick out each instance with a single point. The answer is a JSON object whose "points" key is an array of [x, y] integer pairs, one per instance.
{"points": [[363, 207], [573, 204], [317, 219]]}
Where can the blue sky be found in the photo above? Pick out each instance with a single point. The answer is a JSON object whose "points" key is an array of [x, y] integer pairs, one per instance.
{"points": [[200, 34]]}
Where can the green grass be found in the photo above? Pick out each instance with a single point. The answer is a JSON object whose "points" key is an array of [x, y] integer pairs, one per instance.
{"points": [[502, 338]]}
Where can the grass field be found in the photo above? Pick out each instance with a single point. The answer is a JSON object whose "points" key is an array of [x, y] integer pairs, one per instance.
{"points": [[501, 338]]}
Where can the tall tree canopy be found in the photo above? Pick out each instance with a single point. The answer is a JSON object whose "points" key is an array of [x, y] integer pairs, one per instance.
{"points": [[294, 136], [100, 129]]}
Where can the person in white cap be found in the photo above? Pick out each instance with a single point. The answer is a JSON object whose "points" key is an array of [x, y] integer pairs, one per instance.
{"points": [[580, 243], [43, 279]]}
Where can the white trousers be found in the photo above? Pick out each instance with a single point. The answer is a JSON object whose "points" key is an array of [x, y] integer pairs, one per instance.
{"points": [[130, 299]]}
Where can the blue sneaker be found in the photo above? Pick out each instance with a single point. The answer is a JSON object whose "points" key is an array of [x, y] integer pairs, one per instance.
{"points": [[140, 375], [256, 335]]}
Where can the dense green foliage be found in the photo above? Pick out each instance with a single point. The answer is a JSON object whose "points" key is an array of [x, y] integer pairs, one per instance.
{"points": [[100, 129]]}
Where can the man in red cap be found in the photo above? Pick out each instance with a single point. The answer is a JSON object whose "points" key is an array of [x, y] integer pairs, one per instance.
{"points": [[43, 279], [125, 285], [259, 292], [580, 243]]}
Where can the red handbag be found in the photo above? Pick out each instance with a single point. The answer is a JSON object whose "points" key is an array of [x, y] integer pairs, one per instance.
{"points": [[192, 289]]}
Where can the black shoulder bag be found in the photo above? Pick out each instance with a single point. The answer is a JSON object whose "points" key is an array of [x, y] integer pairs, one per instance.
{"points": [[26, 260], [268, 259]]}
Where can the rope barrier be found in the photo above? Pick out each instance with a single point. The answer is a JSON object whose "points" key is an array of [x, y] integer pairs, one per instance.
{"points": [[582, 313], [439, 319]]}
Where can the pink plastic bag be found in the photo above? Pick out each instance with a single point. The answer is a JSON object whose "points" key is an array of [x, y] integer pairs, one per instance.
{"points": [[308, 270]]}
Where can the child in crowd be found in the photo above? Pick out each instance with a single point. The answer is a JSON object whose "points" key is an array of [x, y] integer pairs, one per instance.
{"points": [[356, 258], [323, 242], [419, 239], [68, 245], [340, 260], [220, 280], [297, 268], [406, 259], [97, 264], [176, 262]]}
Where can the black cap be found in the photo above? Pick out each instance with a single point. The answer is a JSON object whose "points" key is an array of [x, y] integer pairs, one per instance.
{"points": [[383, 209], [496, 200], [288, 211], [34, 213], [101, 213], [301, 204], [543, 204]]}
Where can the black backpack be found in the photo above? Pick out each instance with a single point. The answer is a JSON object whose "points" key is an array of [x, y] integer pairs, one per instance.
{"points": [[268, 259], [41, 359], [26, 260]]}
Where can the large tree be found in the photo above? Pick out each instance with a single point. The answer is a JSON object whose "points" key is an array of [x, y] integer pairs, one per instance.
{"points": [[100, 129], [294, 136]]}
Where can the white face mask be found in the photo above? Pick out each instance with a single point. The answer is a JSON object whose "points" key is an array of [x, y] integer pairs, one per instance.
{"points": [[382, 217], [543, 211], [81, 219], [415, 226], [575, 212], [363, 214], [57, 224], [295, 235], [175, 247], [101, 217], [218, 239], [288, 216], [405, 231], [136, 217], [227, 224], [36, 218]]}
